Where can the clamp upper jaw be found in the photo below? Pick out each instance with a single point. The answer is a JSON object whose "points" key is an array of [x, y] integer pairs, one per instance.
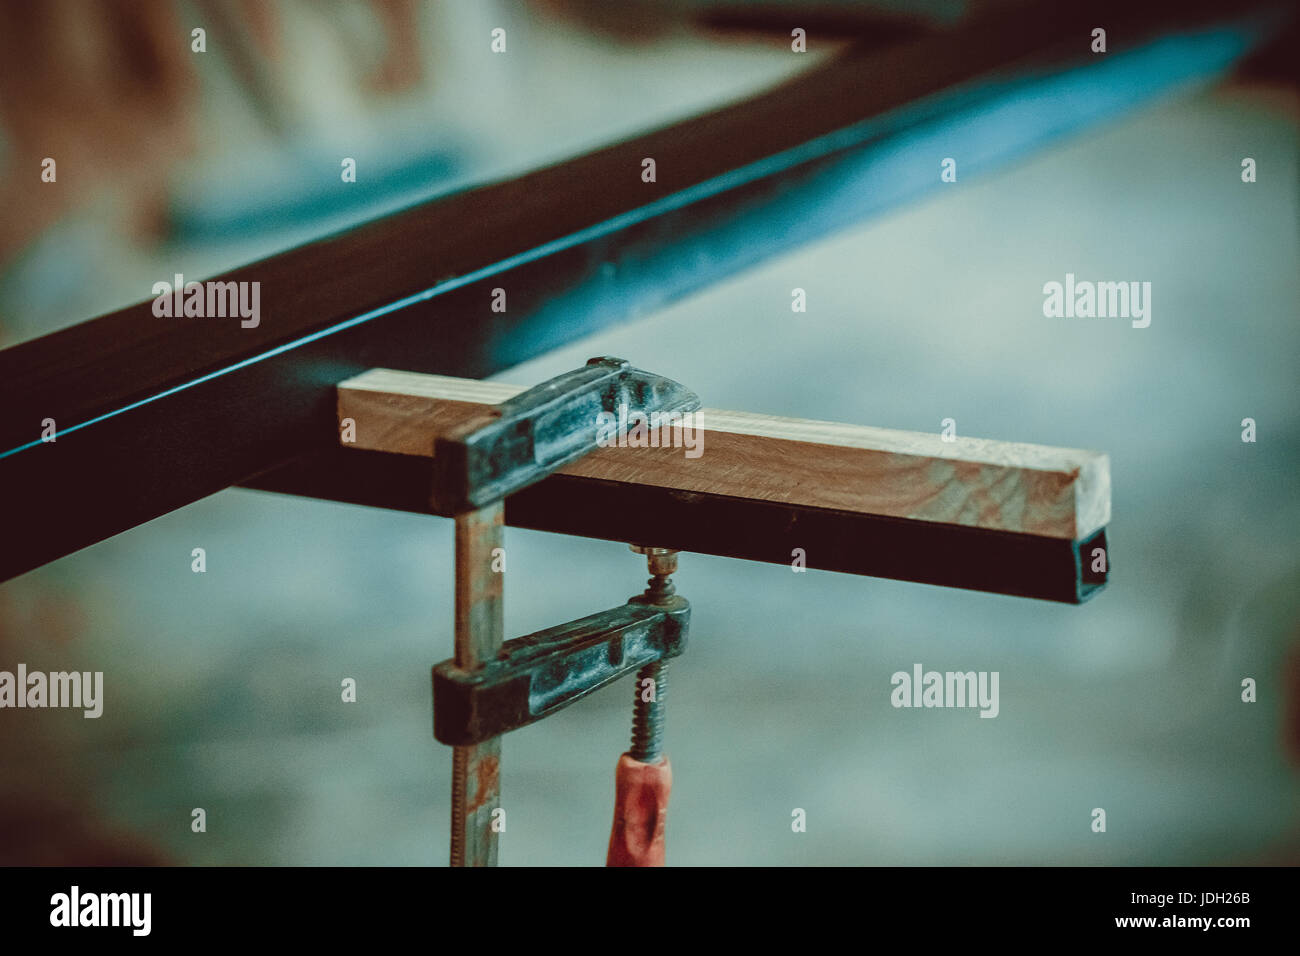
{"points": [[553, 424]]}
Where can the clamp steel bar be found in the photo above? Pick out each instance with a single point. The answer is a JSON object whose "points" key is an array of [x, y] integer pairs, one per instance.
{"points": [[476, 767]]}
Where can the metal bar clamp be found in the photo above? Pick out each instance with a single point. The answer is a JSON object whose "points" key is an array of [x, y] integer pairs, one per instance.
{"points": [[491, 686]]}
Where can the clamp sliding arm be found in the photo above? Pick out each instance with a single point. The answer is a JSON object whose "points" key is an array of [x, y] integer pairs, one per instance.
{"points": [[537, 675]]}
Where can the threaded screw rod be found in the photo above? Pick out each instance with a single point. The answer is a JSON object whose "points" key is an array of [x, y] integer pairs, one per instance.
{"points": [[648, 715]]}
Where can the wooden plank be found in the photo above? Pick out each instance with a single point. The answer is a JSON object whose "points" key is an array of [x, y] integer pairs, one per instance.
{"points": [[999, 562], [1061, 493]]}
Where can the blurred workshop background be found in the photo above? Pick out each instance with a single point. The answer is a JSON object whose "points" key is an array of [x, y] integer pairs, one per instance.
{"points": [[222, 688]]}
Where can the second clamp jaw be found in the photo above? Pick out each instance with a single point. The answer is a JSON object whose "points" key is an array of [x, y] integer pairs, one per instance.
{"points": [[536, 675]]}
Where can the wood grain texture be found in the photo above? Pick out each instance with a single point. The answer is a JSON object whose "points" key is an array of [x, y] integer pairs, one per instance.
{"points": [[971, 482]]}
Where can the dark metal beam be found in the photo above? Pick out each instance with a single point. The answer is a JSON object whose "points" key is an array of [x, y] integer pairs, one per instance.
{"points": [[154, 413]]}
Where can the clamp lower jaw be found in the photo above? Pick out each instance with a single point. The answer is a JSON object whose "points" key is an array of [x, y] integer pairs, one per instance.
{"points": [[534, 676]]}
